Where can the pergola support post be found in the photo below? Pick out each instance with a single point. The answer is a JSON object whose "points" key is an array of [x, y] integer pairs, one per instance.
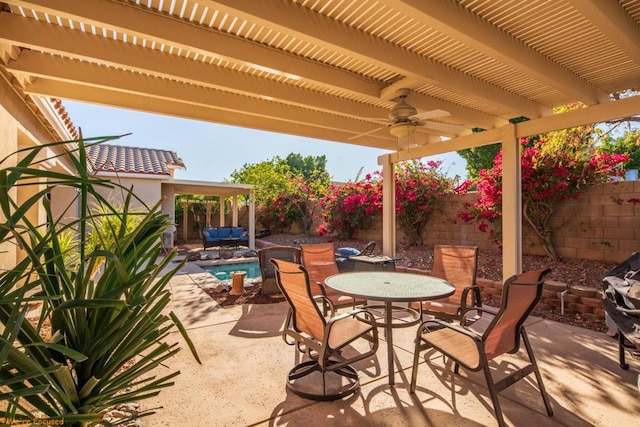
{"points": [[388, 206], [185, 218], [222, 205], [234, 211], [252, 220], [511, 203]]}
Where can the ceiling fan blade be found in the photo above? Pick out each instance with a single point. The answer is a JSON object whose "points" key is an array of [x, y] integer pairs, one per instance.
{"points": [[432, 114], [443, 127], [365, 133]]}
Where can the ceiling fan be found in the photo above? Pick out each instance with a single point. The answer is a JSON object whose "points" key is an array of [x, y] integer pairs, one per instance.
{"points": [[404, 119]]}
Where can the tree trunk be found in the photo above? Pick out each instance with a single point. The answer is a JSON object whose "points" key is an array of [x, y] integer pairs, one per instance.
{"points": [[541, 227]]}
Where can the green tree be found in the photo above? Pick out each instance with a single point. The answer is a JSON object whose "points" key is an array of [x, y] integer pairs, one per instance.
{"points": [[310, 167], [479, 158], [286, 189], [271, 178], [628, 143]]}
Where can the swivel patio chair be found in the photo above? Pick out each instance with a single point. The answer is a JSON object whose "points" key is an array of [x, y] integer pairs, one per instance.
{"points": [[473, 347], [322, 339], [267, 270], [458, 266], [319, 261]]}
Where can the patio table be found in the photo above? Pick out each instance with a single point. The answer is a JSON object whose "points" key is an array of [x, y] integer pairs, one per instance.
{"points": [[390, 287]]}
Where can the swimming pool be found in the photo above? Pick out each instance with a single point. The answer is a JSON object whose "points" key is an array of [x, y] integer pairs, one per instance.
{"points": [[222, 271]]}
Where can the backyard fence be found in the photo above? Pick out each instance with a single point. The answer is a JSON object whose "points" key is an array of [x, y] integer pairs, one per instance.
{"points": [[603, 224]]}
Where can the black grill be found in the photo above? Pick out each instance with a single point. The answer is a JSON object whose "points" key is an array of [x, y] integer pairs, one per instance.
{"points": [[623, 310]]}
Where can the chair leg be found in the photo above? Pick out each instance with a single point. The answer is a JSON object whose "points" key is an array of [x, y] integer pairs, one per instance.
{"points": [[416, 361], [621, 351], [493, 393], [543, 391]]}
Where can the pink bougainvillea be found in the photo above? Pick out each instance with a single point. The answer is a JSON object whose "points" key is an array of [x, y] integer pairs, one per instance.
{"points": [[548, 177], [351, 207], [420, 190]]}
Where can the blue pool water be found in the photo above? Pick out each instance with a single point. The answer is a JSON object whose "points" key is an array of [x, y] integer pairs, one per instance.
{"points": [[222, 271]]}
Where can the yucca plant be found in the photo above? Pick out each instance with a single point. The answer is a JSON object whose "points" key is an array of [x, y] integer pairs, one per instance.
{"points": [[107, 310]]}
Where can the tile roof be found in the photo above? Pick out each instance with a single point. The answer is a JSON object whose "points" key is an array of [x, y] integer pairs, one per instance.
{"points": [[64, 117], [117, 158]]}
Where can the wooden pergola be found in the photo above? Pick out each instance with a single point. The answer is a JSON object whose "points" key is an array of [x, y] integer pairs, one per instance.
{"points": [[342, 71], [223, 191]]}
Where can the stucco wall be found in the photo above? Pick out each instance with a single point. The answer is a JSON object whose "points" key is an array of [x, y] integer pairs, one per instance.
{"points": [[149, 190]]}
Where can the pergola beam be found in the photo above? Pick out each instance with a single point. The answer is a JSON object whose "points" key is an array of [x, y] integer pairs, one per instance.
{"points": [[95, 76], [301, 23], [614, 22], [77, 92], [213, 45], [626, 107], [39, 36], [449, 17]]}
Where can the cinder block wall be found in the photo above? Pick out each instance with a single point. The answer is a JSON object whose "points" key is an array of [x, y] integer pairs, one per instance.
{"points": [[573, 300], [601, 225]]}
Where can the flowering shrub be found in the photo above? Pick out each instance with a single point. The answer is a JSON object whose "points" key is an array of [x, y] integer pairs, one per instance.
{"points": [[548, 177], [351, 207], [302, 196], [296, 204], [281, 211], [420, 190]]}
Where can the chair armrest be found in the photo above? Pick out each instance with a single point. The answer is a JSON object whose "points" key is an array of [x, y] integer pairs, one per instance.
{"points": [[479, 310], [366, 318], [476, 298], [319, 286], [452, 326], [326, 303], [352, 313]]}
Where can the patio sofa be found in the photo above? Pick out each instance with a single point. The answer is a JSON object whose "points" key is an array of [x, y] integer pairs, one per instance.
{"points": [[224, 236]]}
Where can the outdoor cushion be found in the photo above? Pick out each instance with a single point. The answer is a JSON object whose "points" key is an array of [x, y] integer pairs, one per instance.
{"points": [[210, 233], [224, 232], [348, 251], [236, 232]]}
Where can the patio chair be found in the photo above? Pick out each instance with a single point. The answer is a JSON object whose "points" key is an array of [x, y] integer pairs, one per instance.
{"points": [[322, 339], [472, 347], [368, 250], [267, 270], [458, 266], [320, 262]]}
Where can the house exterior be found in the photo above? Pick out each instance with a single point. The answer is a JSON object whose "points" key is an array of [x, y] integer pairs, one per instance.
{"points": [[29, 121], [149, 173]]}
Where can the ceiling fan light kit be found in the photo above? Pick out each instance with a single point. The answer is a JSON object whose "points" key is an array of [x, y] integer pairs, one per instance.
{"points": [[402, 130], [404, 119]]}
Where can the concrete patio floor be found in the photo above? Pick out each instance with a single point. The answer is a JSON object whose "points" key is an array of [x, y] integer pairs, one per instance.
{"points": [[241, 381]]}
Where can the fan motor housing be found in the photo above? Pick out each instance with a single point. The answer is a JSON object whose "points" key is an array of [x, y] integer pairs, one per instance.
{"points": [[402, 111]]}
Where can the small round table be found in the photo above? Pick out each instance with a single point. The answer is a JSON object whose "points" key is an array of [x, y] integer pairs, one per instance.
{"points": [[390, 287]]}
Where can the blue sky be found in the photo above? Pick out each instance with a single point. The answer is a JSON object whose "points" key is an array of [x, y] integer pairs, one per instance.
{"points": [[211, 152]]}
